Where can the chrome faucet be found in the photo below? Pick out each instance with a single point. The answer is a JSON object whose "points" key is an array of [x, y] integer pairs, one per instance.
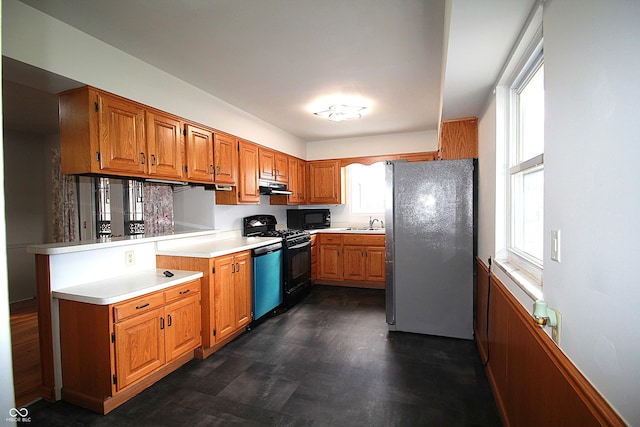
{"points": [[372, 221]]}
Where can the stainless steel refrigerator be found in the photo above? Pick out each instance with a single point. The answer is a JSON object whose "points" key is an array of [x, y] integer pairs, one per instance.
{"points": [[430, 247]]}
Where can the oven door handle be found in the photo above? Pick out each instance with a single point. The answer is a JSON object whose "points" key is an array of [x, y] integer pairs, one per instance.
{"points": [[301, 245]]}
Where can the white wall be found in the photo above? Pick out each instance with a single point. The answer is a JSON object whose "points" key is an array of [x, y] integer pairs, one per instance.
{"points": [[592, 183], [373, 145], [25, 198], [195, 209], [42, 41], [591, 190], [7, 400]]}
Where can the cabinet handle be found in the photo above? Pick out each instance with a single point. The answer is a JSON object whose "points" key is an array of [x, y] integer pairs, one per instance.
{"points": [[138, 307], [237, 266], [169, 322], [162, 323], [233, 268], [218, 170], [211, 171], [184, 292], [143, 159], [153, 160]]}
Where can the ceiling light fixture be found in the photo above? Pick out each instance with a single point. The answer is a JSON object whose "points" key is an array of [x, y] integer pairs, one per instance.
{"points": [[339, 113]]}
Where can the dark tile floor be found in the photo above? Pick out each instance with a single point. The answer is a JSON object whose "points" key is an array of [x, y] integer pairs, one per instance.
{"points": [[329, 361]]}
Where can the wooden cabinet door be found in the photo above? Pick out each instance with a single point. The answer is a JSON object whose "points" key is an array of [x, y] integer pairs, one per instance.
{"points": [[224, 297], [354, 263], [375, 265], [330, 266], [267, 164], [281, 163], [182, 326], [165, 146], [199, 154], [325, 182], [139, 347], [294, 184], [242, 289], [122, 144], [302, 181], [248, 189], [458, 139], [225, 159]]}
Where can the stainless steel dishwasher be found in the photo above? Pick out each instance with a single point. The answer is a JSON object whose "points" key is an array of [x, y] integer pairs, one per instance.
{"points": [[267, 279]]}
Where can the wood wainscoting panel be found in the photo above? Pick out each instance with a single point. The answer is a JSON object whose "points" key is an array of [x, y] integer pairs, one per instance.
{"points": [[533, 381]]}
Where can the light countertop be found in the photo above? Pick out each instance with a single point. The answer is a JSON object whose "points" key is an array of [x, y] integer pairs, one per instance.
{"points": [[121, 288], [349, 230], [88, 245], [204, 248]]}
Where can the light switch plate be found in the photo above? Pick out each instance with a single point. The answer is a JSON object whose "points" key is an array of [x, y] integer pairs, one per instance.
{"points": [[555, 245]]}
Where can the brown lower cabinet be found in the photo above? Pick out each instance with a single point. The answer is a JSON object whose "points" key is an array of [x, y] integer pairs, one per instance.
{"points": [[226, 295], [112, 352], [351, 259]]}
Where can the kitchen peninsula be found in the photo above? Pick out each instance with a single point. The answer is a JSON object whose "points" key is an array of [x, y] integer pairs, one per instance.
{"points": [[88, 293]]}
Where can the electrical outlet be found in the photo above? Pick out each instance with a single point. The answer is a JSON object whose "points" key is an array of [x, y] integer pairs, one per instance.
{"points": [[129, 258], [555, 331]]}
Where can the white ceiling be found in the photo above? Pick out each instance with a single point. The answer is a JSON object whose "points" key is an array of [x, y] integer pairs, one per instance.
{"points": [[280, 60]]}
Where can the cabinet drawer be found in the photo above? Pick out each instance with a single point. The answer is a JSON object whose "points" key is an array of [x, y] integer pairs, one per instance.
{"points": [[364, 239], [182, 291], [327, 238], [137, 306]]}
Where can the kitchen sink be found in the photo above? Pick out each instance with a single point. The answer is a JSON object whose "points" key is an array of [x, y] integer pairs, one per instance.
{"points": [[379, 229]]}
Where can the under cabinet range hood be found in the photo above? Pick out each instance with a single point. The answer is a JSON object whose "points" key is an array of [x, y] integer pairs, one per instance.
{"points": [[270, 187]]}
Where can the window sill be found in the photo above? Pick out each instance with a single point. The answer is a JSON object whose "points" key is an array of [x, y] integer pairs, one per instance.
{"points": [[531, 286]]}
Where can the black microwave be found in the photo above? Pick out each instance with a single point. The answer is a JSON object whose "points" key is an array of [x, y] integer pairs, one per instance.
{"points": [[307, 219]]}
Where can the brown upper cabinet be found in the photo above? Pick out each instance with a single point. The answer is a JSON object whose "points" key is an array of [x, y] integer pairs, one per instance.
{"points": [[101, 133], [199, 151], [225, 159], [247, 191], [297, 180], [297, 184], [165, 146], [458, 139], [326, 183], [273, 165]]}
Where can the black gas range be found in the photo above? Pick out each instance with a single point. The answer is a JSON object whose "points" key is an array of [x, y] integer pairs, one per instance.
{"points": [[296, 259]]}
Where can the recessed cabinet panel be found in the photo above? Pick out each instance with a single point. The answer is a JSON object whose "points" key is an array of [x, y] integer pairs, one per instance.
{"points": [[139, 347], [459, 139], [182, 320], [325, 182], [121, 126], [267, 164], [225, 155], [164, 146], [248, 188], [199, 148]]}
